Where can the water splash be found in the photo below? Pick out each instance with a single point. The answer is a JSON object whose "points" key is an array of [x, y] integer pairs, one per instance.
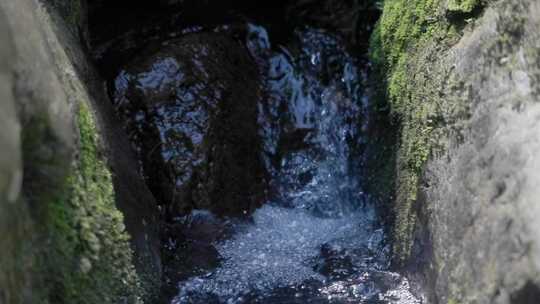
{"points": [[319, 240]]}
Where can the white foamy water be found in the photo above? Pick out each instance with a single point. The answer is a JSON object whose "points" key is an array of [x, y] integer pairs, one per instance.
{"points": [[320, 240], [275, 251]]}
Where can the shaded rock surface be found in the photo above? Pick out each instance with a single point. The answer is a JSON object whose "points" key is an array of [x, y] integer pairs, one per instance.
{"points": [[190, 107]]}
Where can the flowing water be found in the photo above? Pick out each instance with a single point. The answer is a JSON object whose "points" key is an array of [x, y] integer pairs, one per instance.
{"points": [[319, 239]]}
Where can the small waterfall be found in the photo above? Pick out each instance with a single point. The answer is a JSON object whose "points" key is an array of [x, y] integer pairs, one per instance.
{"points": [[318, 239]]}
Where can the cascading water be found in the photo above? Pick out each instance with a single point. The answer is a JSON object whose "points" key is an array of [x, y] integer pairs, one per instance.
{"points": [[318, 240]]}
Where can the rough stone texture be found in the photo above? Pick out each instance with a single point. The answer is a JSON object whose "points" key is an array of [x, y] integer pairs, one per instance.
{"points": [[190, 108], [35, 117], [132, 196], [466, 91], [64, 240], [353, 20], [482, 194]]}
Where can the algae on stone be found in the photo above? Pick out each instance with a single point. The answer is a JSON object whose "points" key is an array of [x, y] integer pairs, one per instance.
{"points": [[463, 6], [65, 240], [89, 249], [400, 40], [461, 81]]}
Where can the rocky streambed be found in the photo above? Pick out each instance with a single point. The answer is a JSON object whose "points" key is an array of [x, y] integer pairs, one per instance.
{"points": [[254, 150]]}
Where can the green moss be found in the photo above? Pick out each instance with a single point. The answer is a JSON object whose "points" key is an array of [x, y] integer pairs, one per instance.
{"points": [[65, 238], [89, 260], [408, 31], [401, 24], [462, 6]]}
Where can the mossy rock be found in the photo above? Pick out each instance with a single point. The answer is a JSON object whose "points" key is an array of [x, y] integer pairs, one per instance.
{"points": [[408, 37], [404, 28], [89, 253], [463, 6], [65, 237], [443, 75]]}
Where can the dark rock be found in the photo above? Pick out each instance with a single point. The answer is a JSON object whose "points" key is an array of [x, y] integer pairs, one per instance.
{"points": [[353, 20], [189, 249], [528, 294], [336, 264], [190, 107]]}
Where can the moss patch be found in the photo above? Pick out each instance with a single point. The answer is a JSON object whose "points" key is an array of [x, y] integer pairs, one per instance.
{"points": [[408, 35], [89, 251], [463, 6]]}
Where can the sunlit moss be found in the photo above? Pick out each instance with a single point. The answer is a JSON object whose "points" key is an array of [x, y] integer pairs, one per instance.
{"points": [[463, 6], [407, 31]]}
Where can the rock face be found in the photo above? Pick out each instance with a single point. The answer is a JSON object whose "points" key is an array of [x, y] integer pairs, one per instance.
{"points": [[463, 78], [64, 237], [190, 107]]}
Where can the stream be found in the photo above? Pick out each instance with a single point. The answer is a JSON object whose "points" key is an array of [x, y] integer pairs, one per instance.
{"points": [[318, 238]]}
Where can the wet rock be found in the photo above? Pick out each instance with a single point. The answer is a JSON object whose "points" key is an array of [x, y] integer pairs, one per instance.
{"points": [[353, 20], [335, 263], [189, 248], [190, 107], [192, 258], [528, 294]]}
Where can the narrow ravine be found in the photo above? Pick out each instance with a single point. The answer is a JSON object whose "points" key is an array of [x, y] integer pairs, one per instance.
{"points": [[318, 238], [270, 152], [253, 141]]}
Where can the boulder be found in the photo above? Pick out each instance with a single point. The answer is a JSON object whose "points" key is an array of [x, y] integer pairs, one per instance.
{"points": [[190, 108]]}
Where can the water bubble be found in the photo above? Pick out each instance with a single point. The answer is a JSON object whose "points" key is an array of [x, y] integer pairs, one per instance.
{"points": [[321, 230]]}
